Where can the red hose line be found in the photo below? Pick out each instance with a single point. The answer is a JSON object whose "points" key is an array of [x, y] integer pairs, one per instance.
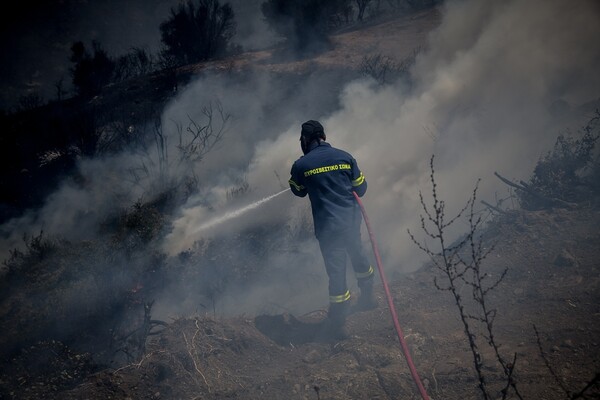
{"points": [[405, 350]]}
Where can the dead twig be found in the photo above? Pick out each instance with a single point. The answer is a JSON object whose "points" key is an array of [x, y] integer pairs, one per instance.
{"points": [[461, 265], [570, 395], [493, 208], [191, 348], [594, 382], [526, 188], [139, 364]]}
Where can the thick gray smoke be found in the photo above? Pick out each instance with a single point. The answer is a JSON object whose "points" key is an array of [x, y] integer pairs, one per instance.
{"points": [[496, 84], [484, 100]]}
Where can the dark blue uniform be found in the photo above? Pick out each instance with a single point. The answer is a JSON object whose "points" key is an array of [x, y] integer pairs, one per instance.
{"points": [[329, 176]]}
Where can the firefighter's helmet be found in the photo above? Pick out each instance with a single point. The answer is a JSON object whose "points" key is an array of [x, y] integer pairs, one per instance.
{"points": [[311, 130]]}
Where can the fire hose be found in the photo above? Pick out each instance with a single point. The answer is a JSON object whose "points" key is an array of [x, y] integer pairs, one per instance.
{"points": [[390, 301]]}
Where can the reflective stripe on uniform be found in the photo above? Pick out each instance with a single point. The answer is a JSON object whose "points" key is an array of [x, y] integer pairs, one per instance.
{"points": [[296, 186], [358, 181], [368, 273], [341, 298]]}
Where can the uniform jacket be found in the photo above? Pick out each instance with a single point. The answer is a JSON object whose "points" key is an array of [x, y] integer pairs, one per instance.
{"points": [[329, 175]]}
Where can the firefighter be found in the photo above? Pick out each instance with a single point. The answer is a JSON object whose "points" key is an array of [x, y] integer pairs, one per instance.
{"points": [[329, 176]]}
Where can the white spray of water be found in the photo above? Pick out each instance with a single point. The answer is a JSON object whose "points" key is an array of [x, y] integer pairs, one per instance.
{"points": [[235, 213]]}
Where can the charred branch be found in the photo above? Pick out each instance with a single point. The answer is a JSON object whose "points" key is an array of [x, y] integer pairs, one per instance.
{"points": [[527, 189]]}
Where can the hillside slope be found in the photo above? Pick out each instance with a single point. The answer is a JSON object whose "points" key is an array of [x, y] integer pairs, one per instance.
{"points": [[552, 283]]}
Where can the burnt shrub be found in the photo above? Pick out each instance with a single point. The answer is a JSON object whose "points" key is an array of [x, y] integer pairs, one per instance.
{"points": [[570, 171], [305, 24], [142, 223], [197, 31], [136, 62], [91, 71], [38, 248], [89, 295]]}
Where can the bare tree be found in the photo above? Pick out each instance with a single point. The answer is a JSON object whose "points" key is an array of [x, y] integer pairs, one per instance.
{"points": [[385, 69], [197, 32], [199, 140], [137, 62], [60, 89], [362, 6], [170, 161], [379, 67], [461, 265], [90, 72], [305, 24]]}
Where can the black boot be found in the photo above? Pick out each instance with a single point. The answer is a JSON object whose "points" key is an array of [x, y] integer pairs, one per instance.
{"points": [[333, 327], [367, 300]]}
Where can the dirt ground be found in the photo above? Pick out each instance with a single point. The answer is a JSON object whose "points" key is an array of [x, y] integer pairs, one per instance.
{"points": [[552, 283]]}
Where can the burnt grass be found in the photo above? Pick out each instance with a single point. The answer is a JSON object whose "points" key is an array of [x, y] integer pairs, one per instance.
{"points": [[552, 283]]}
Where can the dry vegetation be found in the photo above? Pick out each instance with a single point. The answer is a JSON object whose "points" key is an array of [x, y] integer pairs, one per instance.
{"points": [[543, 268]]}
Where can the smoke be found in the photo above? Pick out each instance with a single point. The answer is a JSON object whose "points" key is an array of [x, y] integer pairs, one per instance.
{"points": [[496, 84], [483, 100], [482, 103], [252, 32]]}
